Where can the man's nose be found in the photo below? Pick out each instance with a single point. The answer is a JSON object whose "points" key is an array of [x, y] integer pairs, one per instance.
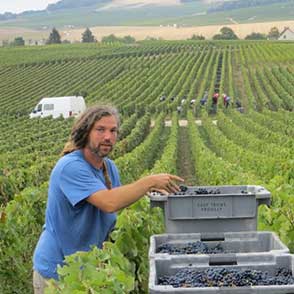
{"points": [[107, 135]]}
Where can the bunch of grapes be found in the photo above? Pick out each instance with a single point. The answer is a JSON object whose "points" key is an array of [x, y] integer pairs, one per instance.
{"points": [[184, 190], [226, 277], [197, 247]]}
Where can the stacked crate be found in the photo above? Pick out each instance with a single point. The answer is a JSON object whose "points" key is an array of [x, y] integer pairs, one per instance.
{"points": [[212, 231]]}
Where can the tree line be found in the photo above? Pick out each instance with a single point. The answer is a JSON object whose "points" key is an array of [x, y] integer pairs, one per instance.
{"points": [[226, 33], [88, 37]]}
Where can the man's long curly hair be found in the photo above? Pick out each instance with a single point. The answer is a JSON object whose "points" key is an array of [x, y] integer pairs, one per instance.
{"points": [[84, 124]]}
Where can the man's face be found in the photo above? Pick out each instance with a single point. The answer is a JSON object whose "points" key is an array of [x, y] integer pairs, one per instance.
{"points": [[103, 136]]}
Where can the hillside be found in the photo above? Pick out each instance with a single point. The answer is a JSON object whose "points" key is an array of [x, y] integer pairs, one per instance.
{"points": [[89, 13]]}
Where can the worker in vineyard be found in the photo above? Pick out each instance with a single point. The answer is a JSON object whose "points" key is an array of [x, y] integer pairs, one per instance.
{"points": [[203, 100], [214, 101], [226, 100], [215, 98], [239, 106], [238, 103], [85, 193]]}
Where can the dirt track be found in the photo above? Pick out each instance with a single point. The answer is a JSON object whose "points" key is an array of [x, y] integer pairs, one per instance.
{"points": [[140, 33]]}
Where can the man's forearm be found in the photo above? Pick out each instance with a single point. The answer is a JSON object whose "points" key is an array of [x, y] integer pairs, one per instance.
{"points": [[120, 197]]}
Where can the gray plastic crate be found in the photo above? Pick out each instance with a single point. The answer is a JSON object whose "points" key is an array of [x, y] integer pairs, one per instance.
{"points": [[260, 261], [234, 209], [233, 243]]}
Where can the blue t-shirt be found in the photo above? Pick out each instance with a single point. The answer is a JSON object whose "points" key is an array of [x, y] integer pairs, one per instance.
{"points": [[72, 224]]}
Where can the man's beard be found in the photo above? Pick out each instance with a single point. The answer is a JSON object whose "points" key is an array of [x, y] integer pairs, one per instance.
{"points": [[97, 150]]}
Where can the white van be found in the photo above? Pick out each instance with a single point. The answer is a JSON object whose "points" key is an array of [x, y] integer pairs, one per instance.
{"points": [[59, 106]]}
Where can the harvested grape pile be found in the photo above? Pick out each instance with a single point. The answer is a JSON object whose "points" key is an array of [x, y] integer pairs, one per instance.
{"points": [[185, 190], [226, 277], [197, 247]]}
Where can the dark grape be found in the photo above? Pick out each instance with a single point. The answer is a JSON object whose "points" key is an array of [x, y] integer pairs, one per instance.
{"points": [[224, 277], [184, 190], [197, 247]]}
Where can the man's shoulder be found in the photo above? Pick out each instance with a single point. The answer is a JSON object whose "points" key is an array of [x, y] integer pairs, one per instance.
{"points": [[70, 160]]}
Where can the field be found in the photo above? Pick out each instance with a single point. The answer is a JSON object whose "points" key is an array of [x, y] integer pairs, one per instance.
{"points": [[143, 32], [251, 144], [179, 33]]}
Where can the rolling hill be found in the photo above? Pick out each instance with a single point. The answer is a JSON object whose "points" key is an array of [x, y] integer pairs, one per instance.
{"points": [[89, 13]]}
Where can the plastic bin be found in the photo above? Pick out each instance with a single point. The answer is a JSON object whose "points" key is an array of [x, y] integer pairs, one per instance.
{"points": [[234, 209], [264, 262], [233, 243]]}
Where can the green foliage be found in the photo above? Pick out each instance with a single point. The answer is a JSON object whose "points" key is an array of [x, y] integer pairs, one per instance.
{"points": [[133, 240], [279, 217], [19, 234], [273, 33], [137, 135], [54, 37], [18, 41], [110, 39], [256, 36], [197, 37], [122, 266], [113, 39], [128, 40], [97, 271], [248, 148], [65, 42], [164, 164], [226, 34], [88, 37]]}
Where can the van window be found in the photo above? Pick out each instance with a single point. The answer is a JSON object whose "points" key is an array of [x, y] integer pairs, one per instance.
{"points": [[39, 107], [48, 107]]}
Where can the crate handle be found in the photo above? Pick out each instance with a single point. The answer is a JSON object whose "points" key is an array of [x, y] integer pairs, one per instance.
{"points": [[222, 260], [211, 239]]}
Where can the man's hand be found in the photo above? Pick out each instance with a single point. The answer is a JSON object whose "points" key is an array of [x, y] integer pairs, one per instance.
{"points": [[165, 183]]}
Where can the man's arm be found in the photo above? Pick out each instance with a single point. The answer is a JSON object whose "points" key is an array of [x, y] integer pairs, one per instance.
{"points": [[120, 197]]}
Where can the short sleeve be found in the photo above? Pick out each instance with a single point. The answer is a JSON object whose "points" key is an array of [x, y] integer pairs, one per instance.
{"points": [[78, 182]]}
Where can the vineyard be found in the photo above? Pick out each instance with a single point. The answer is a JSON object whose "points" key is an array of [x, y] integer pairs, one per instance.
{"points": [[248, 145]]}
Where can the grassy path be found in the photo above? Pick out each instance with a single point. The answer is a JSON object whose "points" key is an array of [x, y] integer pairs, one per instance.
{"points": [[185, 166]]}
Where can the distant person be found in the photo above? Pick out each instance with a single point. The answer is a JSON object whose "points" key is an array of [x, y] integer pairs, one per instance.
{"points": [[226, 99], [238, 103], [239, 106], [203, 100], [205, 96], [215, 98], [214, 102], [162, 98]]}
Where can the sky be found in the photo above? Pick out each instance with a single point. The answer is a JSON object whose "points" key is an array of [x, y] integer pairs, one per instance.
{"points": [[17, 6]]}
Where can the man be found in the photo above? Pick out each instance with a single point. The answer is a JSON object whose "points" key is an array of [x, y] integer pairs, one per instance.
{"points": [[85, 192]]}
